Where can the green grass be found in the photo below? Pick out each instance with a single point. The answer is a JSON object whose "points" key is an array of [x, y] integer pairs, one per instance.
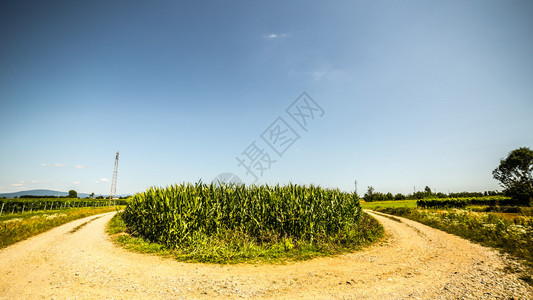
{"points": [[18, 227], [385, 204], [83, 225], [238, 248]]}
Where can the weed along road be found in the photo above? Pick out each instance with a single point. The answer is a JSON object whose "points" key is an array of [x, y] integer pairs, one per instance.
{"points": [[414, 261]]}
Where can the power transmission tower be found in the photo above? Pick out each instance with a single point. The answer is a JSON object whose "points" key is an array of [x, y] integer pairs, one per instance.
{"points": [[113, 192]]}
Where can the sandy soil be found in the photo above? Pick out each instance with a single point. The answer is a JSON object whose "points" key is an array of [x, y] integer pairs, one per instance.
{"points": [[415, 261]]}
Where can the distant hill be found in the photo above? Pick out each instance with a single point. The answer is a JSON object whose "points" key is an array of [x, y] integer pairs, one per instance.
{"points": [[41, 193]]}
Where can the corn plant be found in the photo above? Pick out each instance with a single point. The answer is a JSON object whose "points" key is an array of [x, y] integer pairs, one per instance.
{"points": [[184, 214]]}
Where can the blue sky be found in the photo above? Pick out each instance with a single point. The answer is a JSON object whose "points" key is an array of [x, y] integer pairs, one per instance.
{"points": [[413, 93]]}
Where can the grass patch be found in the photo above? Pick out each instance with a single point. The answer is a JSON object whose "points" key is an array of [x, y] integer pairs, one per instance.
{"points": [[82, 225], [385, 204], [18, 227], [512, 235], [237, 247], [388, 217], [28, 215]]}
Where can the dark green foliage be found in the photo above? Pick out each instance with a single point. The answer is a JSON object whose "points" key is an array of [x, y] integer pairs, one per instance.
{"points": [[463, 202], [72, 194], [399, 197], [442, 203], [515, 175], [371, 196]]}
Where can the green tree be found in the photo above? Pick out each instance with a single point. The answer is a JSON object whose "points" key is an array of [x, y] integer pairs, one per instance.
{"points": [[428, 192], [369, 196], [399, 196], [72, 194], [515, 175]]}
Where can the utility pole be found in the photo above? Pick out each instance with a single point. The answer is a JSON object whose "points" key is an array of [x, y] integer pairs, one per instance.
{"points": [[113, 192], [355, 182]]}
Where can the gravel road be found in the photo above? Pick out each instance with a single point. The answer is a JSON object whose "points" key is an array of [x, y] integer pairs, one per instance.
{"points": [[414, 262]]}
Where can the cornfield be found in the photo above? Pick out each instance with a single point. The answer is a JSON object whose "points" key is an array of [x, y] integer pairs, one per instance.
{"points": [[181, 215]]}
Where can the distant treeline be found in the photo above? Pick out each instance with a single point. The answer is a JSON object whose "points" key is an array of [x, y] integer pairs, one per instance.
{"points": [[371, 195]]}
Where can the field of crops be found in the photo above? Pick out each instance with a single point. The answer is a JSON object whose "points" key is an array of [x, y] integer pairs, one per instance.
{"points": [[189, 217], [22, 205], [463, 202]]}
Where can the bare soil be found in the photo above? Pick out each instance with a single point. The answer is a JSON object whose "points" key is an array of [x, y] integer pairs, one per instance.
{"points": [[413, 261]]}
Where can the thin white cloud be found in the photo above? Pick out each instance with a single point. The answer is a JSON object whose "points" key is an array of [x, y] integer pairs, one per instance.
{"points": [[317, 75], [325, 72], [80, 167], [56, 165], [76, 182], [101, 180], [17, 184], [36, 181], [274, 36]]}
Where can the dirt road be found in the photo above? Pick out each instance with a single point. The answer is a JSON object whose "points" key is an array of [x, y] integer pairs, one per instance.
{"points": [[416, 261]]}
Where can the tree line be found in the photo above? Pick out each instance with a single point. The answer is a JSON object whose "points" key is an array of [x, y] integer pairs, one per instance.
{"points": [[372, 195]]}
